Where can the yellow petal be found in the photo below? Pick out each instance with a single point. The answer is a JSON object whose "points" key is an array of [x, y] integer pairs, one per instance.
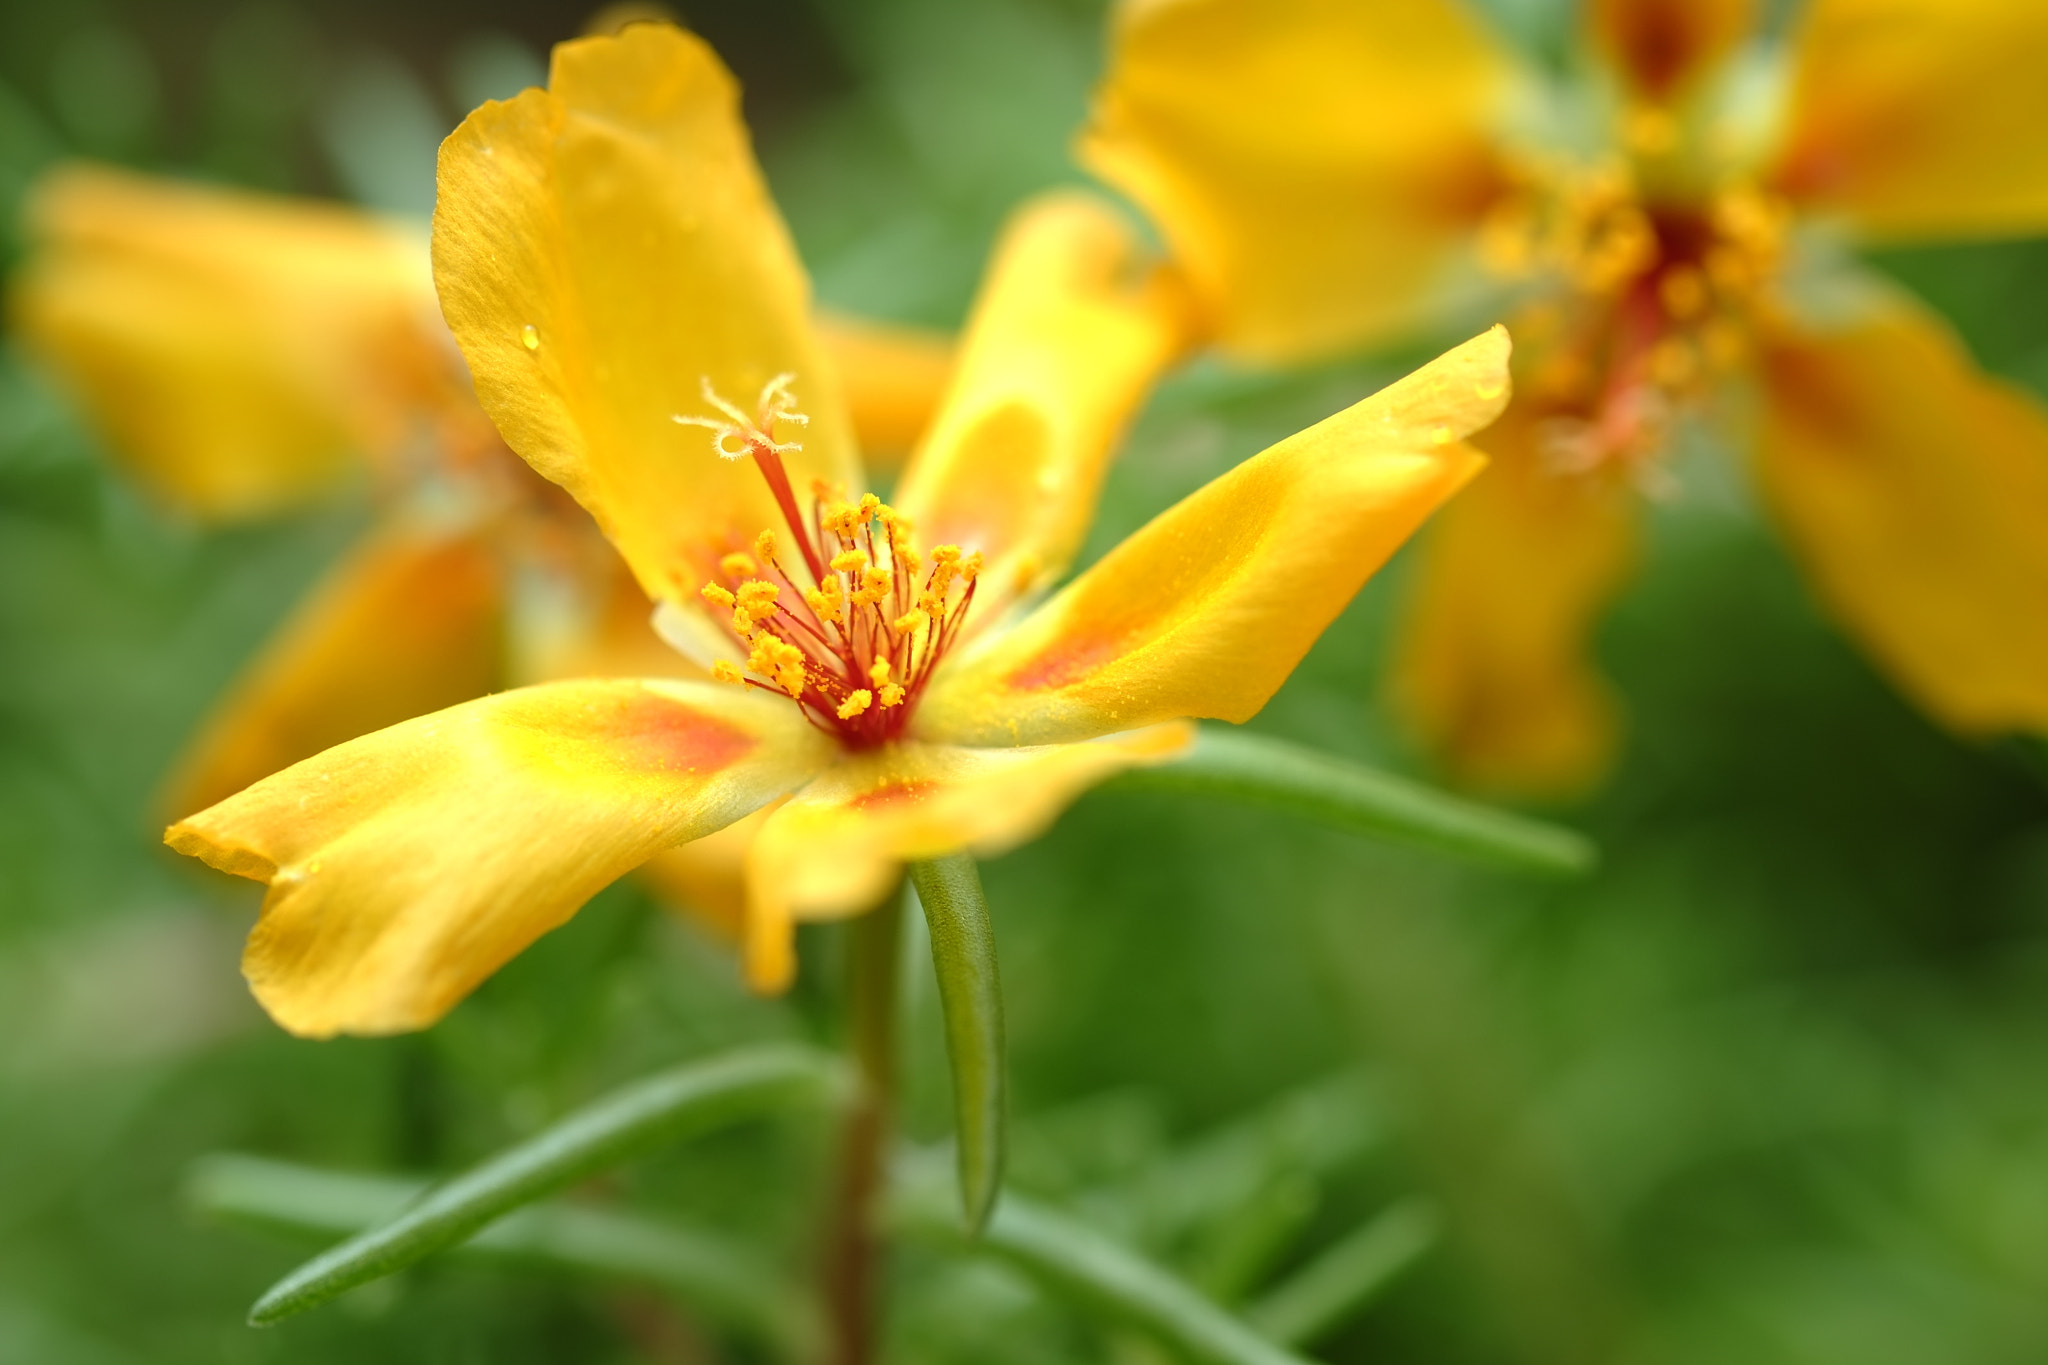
{"points": [[240, 352], [1206, 610], [407, 624], [408, 865], [1492, 665], [893, 377], [838, 846], [605, 246], [1072, 327], [1915, 491], [1921, 118], [706, 879], [1659, 44], [1312, 163]]}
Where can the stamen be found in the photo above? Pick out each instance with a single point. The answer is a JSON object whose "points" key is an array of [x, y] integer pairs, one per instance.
{"points": [[855, 644]]}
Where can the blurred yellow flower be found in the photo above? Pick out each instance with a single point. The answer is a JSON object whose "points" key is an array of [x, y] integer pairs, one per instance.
{"points": [[1666, 230], [245, 354], [619, 281]]}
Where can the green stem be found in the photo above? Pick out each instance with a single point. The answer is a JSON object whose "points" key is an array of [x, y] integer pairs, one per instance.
{"points": [[852, 1249]]}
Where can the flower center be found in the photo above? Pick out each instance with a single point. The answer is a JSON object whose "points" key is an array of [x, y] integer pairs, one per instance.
{"points": [[852, 626], [1637, 302]]}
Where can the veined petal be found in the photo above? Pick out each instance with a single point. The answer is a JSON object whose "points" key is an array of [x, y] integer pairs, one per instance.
{"points": [[1492, 667], [408, 865], [1072, 328], [893, 377], [1921, 118], [407, 624], [603, 248], [1207, 609], [1915, 490], [240, 352], [837, 847], [1660, 44], [1312, 163]]}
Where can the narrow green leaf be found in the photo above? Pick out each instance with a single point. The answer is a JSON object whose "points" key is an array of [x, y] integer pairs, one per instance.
{"points": [[971, 998], [1321, 1296], [1078, 1263], [719, 1278], [686, 1099], [1258, 770]]}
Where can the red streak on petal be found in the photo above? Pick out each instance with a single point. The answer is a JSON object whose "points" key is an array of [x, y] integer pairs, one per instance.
{"points": [[893, 794], [647, 732], [1066, 661]]}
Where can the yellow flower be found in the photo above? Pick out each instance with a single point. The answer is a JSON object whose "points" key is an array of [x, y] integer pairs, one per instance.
{"points": [[1330, 174], [618, 217], [245, 353]]}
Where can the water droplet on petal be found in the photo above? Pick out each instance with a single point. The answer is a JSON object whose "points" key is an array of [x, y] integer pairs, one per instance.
{"points": [[529, 336]]}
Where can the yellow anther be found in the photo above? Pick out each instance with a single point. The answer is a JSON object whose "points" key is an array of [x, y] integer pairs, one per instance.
{"points": [[874, 586], [970, 567], [1684, 291], [829, 602], [892, 695], [757, 598], [725, 670], [1650, 131], [855, 704], [945, 554], [1673, 363], [842, 520], [878, 672], [909, 621], [780, 660], [906, 555], [739, 565], [850, 561], [764, 547], [743, 624], [717, 596]]}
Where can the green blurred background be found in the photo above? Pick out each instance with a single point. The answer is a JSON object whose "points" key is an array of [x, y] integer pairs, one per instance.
{"points": [[1768, 1088]]}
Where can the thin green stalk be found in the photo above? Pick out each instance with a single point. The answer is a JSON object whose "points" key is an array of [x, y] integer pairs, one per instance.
{"points": [[1083, 1266], [1240, 766], [719, 1278], [971, 998], [1325, 1293], [686, 1099]]}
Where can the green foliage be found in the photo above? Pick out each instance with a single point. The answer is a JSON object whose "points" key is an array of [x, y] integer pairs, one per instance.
{"points": [[1763, 1086]]}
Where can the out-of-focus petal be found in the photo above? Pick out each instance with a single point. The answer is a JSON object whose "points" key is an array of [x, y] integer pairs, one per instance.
{"points": [[605, 246], [706, 879], [1493, 667], [1073, 326], [1921, 118], [893, 377], [1915, 491], [408, 865], [1660, 44], [240, 352], [1312, 163], [407, 624], [1207, 609], [837, 847]]}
